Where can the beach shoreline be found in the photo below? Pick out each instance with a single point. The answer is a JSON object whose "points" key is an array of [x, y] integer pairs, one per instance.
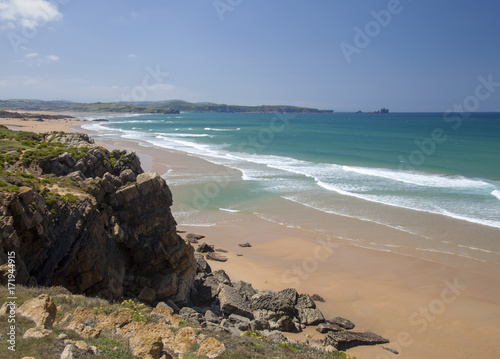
{"points": [[384, 292], [426, 308]]}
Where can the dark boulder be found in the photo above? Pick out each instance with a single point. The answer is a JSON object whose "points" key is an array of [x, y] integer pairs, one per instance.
{"points": [[202, 265], [317, 298], [191, 316], [193, 238], [327, 327], [305, 301], [232, 302], [341, 322], [309, 316], [205, 248]]}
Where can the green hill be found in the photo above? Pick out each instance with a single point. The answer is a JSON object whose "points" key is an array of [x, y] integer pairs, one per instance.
{"points": [[174, 106]]}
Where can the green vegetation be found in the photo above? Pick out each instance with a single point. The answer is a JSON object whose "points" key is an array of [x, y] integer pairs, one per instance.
{"points": [[18, 149], [9, 114], [251, 344], [149, 107], [68, 197], [137, 310]]}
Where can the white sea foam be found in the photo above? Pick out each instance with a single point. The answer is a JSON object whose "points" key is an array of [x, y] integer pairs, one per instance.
{"points": [[476, 249], [285, 174], [395, 201], [426, 180], [229, 210], [450, 253], [165, 135], [399, 228], [221, 129]]}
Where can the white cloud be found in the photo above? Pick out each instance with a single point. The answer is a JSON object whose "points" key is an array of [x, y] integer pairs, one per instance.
{"points": [[132, 55], [28, 13], [35, 59], [52, 57]]}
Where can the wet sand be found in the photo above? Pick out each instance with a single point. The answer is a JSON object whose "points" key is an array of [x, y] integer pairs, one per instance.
{"points": [[439, 306], [430, 305]]}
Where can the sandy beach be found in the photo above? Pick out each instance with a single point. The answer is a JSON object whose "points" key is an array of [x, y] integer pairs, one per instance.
{"points": [[45, 125], [441, 306], [434, 306]]}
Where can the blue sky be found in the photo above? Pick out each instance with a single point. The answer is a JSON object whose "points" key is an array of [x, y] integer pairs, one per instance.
{"points": [[426, 57]]}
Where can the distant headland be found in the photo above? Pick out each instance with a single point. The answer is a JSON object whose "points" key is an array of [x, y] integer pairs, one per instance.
{"points": [[163, 107], [382, 110]]}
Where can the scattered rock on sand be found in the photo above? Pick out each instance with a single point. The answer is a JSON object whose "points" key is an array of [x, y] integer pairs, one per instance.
{"points": [[245, 245], [205, 248], [394, 351], [216, 257], [326, 328], [344, 340], [193, 238], [317, 298], [341, 322]]}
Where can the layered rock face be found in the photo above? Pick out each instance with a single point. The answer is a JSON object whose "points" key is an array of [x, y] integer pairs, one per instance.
{"points": [[109, 232]]}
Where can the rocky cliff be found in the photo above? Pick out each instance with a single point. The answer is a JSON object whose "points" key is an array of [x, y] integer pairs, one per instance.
{"points": [[89, 219]]}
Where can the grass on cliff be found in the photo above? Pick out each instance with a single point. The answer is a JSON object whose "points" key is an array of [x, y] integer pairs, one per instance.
{"points": [[29, 146], [251, 345], [18, 149], [111, 346]]}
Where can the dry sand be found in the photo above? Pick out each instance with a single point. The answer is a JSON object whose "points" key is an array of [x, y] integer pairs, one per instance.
{"points": [[427, 309], [34, 125]]}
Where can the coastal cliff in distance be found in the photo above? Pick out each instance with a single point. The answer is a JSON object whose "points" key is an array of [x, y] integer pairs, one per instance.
{"points": [[82, 217], [154, 107]]}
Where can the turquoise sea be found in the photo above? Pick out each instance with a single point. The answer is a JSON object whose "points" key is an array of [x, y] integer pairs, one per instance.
{"points": [[342, 163]]}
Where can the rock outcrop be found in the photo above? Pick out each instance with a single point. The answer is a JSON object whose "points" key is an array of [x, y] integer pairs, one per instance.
{"points": [[236, 307], [104, 229]]}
